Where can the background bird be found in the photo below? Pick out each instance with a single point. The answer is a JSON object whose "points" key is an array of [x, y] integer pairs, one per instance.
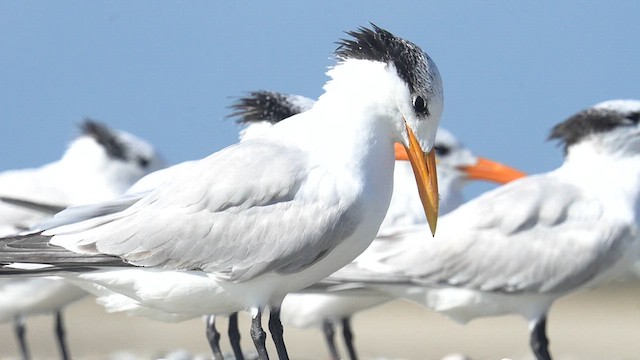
{"points": [[100, 164], [520, 247]]}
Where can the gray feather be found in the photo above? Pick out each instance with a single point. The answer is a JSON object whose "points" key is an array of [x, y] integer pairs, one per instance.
{"points": [[44, 208], [219, 227], [35, 248], [517, 245]]}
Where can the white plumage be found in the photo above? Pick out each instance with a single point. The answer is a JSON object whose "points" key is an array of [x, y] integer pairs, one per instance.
{"points": [[98, 165], [272, 215], [519, 247], [457, 165]]}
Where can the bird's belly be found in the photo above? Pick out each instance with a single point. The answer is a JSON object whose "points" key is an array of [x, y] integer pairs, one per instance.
{"points": [[30, 296], [464, 305], [200, 293], [178, 292], [270, 288], [310, 310]]}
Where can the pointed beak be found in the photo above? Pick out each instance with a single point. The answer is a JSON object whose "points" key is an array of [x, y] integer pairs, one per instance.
{"points": [[424, 169], [490, 170]]}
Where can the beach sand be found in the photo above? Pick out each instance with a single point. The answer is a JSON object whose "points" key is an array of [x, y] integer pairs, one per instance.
{"points": [[598, 324]]}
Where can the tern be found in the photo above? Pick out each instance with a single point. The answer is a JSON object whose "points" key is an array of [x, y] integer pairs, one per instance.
{"points": [[245, 226], [100, 164], [256, 112], [518, 248], [457, 166]]}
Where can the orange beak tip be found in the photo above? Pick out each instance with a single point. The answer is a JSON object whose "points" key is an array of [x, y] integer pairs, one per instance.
{"points": [[424, 169]]}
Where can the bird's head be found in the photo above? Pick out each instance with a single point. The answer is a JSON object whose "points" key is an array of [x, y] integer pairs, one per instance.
{"points": [[118, 155], [417, 100], [611, 127]]}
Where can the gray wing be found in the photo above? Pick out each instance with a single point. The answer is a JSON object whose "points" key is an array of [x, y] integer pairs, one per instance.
{"points": [[238, 213], [136, 192], [80, 213], [42, 207], [534, 235], [30, 186], [18, 252]]}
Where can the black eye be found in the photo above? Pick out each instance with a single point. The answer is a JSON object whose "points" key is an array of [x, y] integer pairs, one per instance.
{"points": [[143, 162], [420, 105], [635, 117], [442, 150]]}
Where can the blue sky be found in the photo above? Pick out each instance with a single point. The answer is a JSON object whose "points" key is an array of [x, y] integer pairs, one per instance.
{"points": [[166, 71]]}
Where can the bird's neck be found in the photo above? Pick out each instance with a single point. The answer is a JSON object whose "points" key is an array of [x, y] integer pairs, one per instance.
{"points": [[350, 131], [612, 178], [450, 185], [358, 111], [86, 168], [350, 121], [405, 208]]}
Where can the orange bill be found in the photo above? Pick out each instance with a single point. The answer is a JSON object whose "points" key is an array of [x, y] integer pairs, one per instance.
{"points": [[490, 170], [401, 152], [424, 169]]}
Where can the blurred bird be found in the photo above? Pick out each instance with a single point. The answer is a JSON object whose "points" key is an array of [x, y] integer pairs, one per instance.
{"points": [[252, 222], [518, 248], [98, 165]]}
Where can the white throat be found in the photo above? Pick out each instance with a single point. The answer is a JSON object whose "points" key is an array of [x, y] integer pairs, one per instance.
{"points": [[613, 177]]}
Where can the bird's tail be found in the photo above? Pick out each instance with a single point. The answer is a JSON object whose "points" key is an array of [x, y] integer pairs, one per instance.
{"points": [[32, 254]]}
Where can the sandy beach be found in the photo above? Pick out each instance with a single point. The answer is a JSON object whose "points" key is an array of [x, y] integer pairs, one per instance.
{"points": [[599, 324]]}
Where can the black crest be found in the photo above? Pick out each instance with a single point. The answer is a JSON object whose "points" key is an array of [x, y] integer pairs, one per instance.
{"points": [[105, 137], [264, 106], [591, 121], [377, 44]]}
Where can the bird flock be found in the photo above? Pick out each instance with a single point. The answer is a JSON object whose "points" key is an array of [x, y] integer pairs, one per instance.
{"points": [[324, 208]]}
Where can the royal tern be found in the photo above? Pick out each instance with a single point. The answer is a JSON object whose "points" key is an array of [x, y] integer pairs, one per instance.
{"points": [[457, 165], [258, 111], [520, 247], [255, 112], [245, 226], [98, 165]]}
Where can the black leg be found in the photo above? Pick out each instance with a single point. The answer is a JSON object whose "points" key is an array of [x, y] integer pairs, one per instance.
{"points": [[214, 337], [234, 336], [275, 327], [258, 335], [329, 337], [62, 339], [539, 341], [20, 330], [348, 338]]}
